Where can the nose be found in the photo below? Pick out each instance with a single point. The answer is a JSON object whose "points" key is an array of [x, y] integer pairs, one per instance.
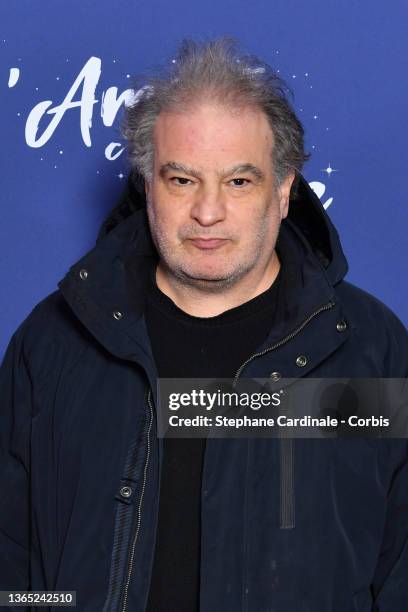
{"points": [[209, 206]]}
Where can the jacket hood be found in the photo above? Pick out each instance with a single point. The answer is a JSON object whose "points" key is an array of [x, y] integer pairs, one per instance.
{"points": [[107, 288], [307, 218]]}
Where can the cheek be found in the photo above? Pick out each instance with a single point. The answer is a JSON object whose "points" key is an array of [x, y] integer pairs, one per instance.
{"points": [[262, 227], [159, 212], [257, 219], [165, 221]]}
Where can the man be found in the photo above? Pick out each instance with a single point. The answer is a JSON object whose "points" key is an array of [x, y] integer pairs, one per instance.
{"points": [[223, 277]]}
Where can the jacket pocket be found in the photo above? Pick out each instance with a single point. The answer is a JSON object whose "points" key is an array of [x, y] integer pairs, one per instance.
{"points": [[287, 483], [363, 601]]}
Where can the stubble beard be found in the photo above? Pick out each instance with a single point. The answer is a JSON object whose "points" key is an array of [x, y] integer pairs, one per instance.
{"points": [[177, 268]]}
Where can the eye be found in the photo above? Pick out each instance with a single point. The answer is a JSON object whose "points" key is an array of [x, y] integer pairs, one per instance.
{"points": [[180, 180], [240, 182]]}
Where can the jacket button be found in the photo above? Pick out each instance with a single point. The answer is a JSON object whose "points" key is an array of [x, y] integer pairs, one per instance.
{"points": [[83, 274], [341, 326], [301, 361], [275, 376], [117, 315], [126, 492]]}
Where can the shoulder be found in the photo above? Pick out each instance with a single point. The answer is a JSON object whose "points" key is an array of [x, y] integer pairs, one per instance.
{"points": [[50, 337], [364, 306], [376, 326], [50, 317]]}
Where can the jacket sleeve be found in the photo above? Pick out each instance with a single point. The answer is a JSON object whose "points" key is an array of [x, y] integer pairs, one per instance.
{"points": [[15, 425], [390, 584]]}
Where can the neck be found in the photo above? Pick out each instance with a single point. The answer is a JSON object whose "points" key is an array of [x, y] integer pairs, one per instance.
{"points": [[201, 302]]}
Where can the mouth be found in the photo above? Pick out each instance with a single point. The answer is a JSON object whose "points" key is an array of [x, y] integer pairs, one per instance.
{"points": [[206, 244]]}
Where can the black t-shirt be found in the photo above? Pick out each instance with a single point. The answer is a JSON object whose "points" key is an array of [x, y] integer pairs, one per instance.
{"points": [[185, 346]]}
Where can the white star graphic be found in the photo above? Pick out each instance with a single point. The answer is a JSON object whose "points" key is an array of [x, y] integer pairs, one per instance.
{"points": [[120, 175], [329, 169]]}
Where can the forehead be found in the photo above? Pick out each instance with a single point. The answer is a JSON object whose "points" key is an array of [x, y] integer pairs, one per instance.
{"points": [[211, 135]]}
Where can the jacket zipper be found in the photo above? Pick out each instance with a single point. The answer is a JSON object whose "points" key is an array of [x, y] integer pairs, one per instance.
{"points": [[284, 340], [286, 450], [139, 509], [285, 472]]}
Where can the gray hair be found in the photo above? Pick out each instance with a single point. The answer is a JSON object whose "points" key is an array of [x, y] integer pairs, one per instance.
{"points": [[214, 71]]}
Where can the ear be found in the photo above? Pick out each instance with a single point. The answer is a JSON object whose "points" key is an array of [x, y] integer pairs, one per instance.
{"points": [[147, 187], [284, 193]]}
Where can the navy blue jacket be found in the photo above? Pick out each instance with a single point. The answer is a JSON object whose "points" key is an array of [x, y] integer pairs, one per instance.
{"points": [[288, 525]]}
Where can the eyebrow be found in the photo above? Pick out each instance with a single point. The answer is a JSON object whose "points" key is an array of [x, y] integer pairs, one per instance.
{"points": [[239, 168], [176, 167]]}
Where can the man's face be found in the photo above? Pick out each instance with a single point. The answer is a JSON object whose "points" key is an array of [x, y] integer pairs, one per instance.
{"points": [[213, 208]]}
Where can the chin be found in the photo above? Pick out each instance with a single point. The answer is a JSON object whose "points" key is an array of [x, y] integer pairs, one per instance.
{"points": [[209, 280], [206, 273]]}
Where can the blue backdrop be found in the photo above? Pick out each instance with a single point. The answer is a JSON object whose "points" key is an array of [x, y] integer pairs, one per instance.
{"points": [[66, 70]]}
